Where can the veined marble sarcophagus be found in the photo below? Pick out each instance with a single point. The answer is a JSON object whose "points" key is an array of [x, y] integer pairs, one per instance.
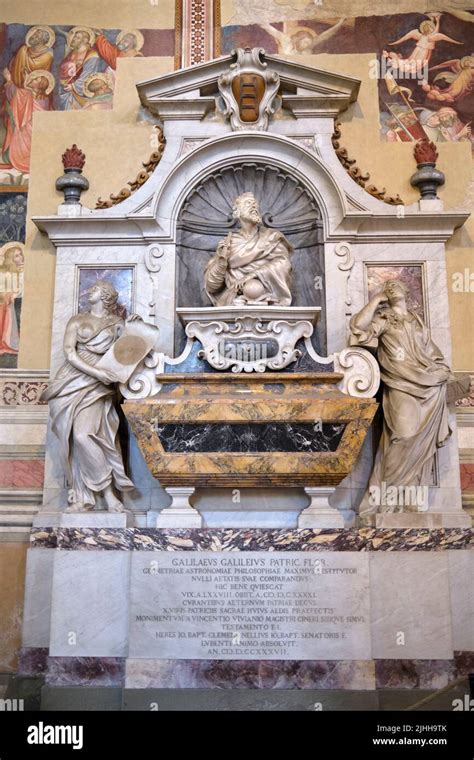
{"points": [[235, 430]]}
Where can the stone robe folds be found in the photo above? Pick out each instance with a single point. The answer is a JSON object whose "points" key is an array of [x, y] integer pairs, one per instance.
{"points": [[265, 256], [415, 375], [84, 419]]}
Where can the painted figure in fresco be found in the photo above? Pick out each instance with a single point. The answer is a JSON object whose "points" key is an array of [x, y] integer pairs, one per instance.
{"points": [[426, 38], [11, 294], [446, 126], [415, 376], [302, 40], [81, 60], [98, 90], [127, 45], [460, 78], [251, 266], [34, 95], [403, 125], [35, 54], [81, 403]]}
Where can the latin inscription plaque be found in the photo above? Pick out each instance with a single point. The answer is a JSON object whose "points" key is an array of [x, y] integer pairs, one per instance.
{"points": [[250, 605]]}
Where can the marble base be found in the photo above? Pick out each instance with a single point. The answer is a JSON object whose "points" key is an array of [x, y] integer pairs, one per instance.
{"points": [[180, 514], [93, 671], [319, 514], [250, 674], [423, 520], [412, 605], [362, 676], [96, 519]]}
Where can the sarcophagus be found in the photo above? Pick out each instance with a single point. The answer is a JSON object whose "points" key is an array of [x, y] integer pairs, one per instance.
{"points": [[225, 429]]}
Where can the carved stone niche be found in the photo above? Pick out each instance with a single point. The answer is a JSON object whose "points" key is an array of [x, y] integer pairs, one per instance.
{"points": [[286, 205]]}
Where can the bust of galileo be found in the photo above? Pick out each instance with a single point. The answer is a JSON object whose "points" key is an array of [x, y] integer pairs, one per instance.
{"points": [[251, 266]]}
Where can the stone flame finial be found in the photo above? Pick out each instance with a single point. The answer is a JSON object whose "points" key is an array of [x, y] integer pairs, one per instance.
{"points": [[425, 152], [73, 158], [427, 178], [72, 183]]}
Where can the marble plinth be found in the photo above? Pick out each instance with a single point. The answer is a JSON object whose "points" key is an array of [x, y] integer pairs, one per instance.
{"points": [[319, 513], [96, 519], [415, 520], [225, 430], [180, 514], [93, 519], [391, 601]]}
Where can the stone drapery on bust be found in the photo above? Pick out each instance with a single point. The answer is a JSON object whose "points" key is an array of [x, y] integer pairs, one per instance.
{"points": [[252, 265], [82, 405], [415, 376]]}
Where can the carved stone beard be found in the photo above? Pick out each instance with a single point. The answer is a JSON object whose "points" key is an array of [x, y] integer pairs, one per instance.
{"points": [[253, 217]]}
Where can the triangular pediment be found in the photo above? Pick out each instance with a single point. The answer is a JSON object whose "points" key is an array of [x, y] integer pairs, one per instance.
{"points": [[302, 88]]}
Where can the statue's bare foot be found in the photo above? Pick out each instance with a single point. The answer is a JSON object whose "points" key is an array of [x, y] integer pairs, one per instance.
{"points": [[112, 503], [79, 506]]}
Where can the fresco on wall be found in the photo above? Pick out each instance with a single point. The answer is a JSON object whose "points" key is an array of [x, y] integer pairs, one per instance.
{"points": [[12, 263], [48, 68], [12, 216], [12, 236], [62, 68], [424, 64]]}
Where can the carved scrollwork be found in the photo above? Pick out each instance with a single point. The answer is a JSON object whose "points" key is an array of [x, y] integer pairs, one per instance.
{"points": [[249, 344], [142, 176], [361, 372], [143, 382], [153, 256], [353, 170], [344, 251]]}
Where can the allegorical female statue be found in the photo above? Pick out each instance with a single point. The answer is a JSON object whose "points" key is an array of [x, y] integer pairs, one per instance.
{"points": [[252, 265], [415, 376], [82, 405]]}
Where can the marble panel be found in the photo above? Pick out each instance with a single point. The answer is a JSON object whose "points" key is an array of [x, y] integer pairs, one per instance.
{"points": [[410, 606], [89, 614], [461, 584], [38, 590], [250, 674]]}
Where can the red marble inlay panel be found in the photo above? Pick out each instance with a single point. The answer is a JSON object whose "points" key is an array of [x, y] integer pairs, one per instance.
{"points": [[467, 477], [21, 473]]}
